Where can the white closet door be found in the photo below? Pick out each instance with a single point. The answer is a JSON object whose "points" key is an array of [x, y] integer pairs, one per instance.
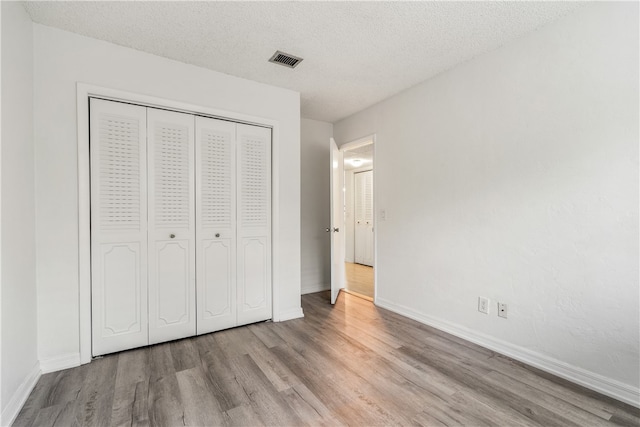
{"points": [[359, 217], [368, 218], [254, 223], [172, 294], [216, 224], [118, 226], [364, 218]]}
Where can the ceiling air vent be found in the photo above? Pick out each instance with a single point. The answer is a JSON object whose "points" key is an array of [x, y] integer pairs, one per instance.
{"points": [[285, 59]]}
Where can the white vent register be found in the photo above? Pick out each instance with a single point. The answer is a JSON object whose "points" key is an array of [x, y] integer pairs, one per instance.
{"points": [[285, 59], [180, 225]]}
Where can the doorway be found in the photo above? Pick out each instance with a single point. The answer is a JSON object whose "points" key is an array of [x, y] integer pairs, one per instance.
{"points": [[358, 203]]}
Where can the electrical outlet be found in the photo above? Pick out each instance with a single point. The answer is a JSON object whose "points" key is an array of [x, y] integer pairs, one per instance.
{"points": [[483, 305], [502, 310]]}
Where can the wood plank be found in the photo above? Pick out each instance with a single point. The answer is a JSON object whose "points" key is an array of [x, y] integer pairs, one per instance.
{"points": [[200, 405], [133, 368], [567, 410], [219, 375], [263, 398], [37, 400], [140, 411], [63, 415], [264, 332], [164, 401], [359, 279], [242, 416], [95, 400], [184, 354], [272, 367]]}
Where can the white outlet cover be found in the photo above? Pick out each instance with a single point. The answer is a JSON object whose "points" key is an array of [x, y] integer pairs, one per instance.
{"points": [[483, 305], [502, 310]]}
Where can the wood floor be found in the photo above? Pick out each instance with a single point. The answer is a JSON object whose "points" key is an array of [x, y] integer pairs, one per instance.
{"points": [[352, 364], [359, 279]]}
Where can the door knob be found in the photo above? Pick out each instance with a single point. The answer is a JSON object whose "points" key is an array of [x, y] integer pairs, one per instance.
{"points": [[335, 230], [172, 235], [328, 230], [217, 234]]}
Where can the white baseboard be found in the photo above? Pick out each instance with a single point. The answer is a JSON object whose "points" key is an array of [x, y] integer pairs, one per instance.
{"points": [[14, 406], [296, 313], [59, 363], [607, 386], [319, 287]]}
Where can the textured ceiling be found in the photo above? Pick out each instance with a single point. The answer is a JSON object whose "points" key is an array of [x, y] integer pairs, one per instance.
{"points": [[355, 53]]}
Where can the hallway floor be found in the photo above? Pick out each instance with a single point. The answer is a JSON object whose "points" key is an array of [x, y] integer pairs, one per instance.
{"points": [[359, 279]]}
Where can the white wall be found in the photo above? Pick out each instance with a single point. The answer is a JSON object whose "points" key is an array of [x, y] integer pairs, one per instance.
{"points": [[314, 197], [515, 176], [19, 322], [61, 60]]}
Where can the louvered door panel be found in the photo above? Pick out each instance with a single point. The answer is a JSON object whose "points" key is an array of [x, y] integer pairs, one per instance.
{"points": [[368, 196], [118, 226], [172, 295], [363, 194], [359, 183], [216, 224], [254, 223], [358, 194], [368, 218]]}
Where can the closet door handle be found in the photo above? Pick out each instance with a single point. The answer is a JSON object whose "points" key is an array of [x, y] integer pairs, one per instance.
{"points": [[217, 234], [173, 236]]}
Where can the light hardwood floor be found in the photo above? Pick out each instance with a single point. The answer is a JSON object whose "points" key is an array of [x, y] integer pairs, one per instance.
{"points": [[359, 279], [352, 364]]}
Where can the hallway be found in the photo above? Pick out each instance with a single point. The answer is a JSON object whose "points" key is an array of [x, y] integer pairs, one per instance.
{"points": [[359, 279]]}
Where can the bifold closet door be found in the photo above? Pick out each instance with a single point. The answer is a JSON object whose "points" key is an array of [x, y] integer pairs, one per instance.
{"points": [[118, 226], [359, 233], [363, 186], [171, 235], [368, 218], [254, 223], [167, 187], [216, 224]]}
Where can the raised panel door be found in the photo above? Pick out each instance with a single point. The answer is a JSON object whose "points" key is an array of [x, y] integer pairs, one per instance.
{"points": [[254, 224], [216, 224], [172, 278], [118, 226]]}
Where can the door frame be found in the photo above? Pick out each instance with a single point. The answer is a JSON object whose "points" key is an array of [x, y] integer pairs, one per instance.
{"points": [[357, 143], [83, 92]]}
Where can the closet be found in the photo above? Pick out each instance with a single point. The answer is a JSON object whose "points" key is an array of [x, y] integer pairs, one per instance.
{"points": [[363, 194], [180, 225]]}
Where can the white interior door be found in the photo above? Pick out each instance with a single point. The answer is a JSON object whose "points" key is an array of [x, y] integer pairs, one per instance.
{"points": [[254, 223], [368, 218], [364, 218], [216, 224], [172, 293], [359, 226], [118, 135], [336, 174]]}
